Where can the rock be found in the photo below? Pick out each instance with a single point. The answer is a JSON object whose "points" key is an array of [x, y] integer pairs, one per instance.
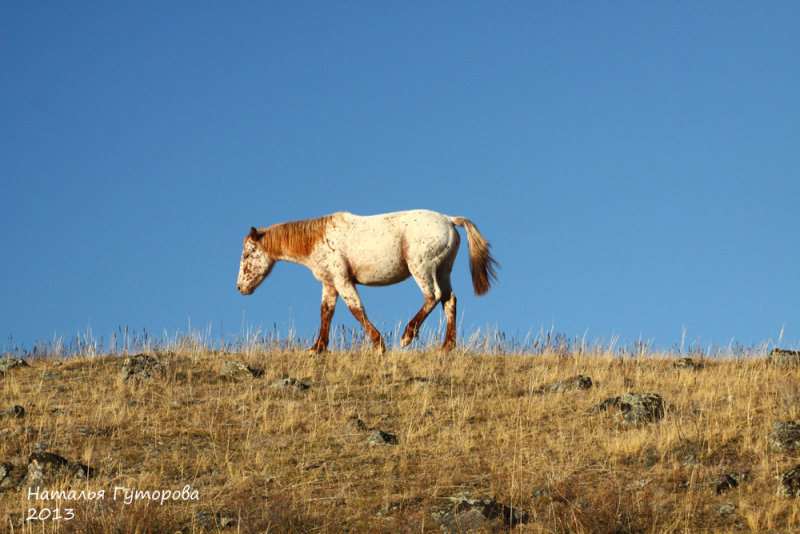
{"points": [[539, 493], [9, 362], [47, 467], [379, 437], [140, 367], [236, 369], [221, 519], [783, 357], [790, 483], [785, 436], [728, 482], [289, 382], [604, 405], [687, 452], [634, 408], [10, 476], [354, 425], [685, 364], [572, 384], [478, 515], [637, 408], [17, 412], [420, 381], [47, 375], [726, 510]]}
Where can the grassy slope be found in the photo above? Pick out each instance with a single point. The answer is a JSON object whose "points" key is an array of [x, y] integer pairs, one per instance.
{"points": [[284, 460]]}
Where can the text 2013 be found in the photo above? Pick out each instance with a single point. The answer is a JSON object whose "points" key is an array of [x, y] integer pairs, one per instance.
{"points": [[55, 514]]}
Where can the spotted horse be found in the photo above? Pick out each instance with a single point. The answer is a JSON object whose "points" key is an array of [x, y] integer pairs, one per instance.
{"points": [[343, 250]]}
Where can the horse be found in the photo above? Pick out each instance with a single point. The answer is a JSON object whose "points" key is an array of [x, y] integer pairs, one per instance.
{"points": [[344, 249]]}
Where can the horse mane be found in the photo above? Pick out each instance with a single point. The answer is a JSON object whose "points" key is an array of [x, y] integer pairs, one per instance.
{"points": [[294, 239]]}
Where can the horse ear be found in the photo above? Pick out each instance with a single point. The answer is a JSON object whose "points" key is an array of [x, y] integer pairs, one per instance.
{"points": [[253, 233]]}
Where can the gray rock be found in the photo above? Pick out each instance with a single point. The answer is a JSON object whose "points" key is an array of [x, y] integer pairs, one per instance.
{"points": [[604, 405], [790, 483], [420, 381], [47, 467], [572, 384], [637, 408], [685, 364], [289, 382], [687, 453], [728, 482], [633, 408], [221, 519], [783, 357], [478, 515], [355, 425], [10, 476], [785, 436], [237, 369], [726, 510], [539, 493], [140, 367], [379, 437], [9, 362], [17, 412]]}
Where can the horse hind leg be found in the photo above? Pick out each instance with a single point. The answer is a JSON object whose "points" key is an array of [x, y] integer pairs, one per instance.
{"points": [[449, 305], [432, 293]]}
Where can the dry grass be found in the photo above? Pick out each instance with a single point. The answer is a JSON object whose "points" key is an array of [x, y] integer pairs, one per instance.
{"points": [[281, 460]]}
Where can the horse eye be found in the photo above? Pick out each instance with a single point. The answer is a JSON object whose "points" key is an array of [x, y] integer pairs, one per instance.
{"points": [[246, 256]]}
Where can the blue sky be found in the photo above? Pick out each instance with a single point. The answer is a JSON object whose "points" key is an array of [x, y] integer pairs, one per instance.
{"points": [[634, 164]]}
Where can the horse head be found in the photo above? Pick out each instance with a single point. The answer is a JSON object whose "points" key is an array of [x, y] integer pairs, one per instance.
{"points": [[255, 265]]}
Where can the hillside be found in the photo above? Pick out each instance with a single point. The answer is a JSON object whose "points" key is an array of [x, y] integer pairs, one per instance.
{"points": [[290, 443]]}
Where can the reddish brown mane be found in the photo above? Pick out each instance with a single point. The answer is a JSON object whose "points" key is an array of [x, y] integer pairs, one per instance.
{"points": [[296, 239]]}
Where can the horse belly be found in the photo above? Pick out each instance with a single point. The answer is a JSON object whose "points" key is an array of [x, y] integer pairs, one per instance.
{"points": [[380, 271]]}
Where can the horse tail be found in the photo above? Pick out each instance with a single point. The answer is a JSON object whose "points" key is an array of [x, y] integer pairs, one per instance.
{"points": [[481, 263]]}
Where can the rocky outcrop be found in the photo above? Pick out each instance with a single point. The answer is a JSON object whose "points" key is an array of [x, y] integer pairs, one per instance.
{"points": [[790, 483], [379, 437], [237, 369], [11, 476], [46, 467], [140, 367], [10, 362], [288, 382], [785, 436], [574, 383], [355, 425], [633, 408], [478, 515], [685, 364], [17, 412], [728, 482], [784, 358]]}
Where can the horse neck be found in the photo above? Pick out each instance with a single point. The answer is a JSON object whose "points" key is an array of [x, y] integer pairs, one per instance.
{"points": [[294, 241]]}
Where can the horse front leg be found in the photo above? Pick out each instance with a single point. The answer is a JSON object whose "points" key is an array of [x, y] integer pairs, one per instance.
{"points": [[329, 296], [353, 300]]}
